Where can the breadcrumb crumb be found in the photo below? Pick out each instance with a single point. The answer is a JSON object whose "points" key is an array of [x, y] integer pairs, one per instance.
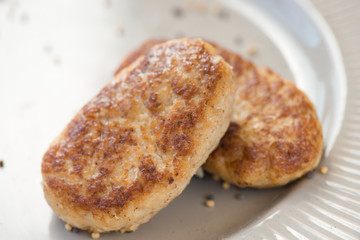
{"points": [[225, 185], [251, 51], [324, 169], [1, 163], [68, 227], [210, 203], [95, 235]]}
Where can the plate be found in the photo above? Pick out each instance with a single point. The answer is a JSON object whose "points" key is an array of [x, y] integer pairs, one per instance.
{"points": [[56, 55]]}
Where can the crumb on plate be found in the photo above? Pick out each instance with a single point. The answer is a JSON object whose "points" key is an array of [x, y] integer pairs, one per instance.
{"points": [[324, 169], [95, 235], [251, 51], [225, 185], [210, 203], [68, 227]]}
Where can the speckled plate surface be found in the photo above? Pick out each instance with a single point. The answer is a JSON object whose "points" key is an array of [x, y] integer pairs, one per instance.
{"points": [[56, 55]]}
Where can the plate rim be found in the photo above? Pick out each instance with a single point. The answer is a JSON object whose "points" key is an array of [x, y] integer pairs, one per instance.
{"points": [[336, 216]]}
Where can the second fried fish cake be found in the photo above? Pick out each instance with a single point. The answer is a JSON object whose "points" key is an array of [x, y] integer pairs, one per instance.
{"points": [[274, 136]]}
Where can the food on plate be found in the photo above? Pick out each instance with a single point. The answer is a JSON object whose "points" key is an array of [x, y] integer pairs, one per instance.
{"points": [[324, 169], [135, 146], [274, 136]]}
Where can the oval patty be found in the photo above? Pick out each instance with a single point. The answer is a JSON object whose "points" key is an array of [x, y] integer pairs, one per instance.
{"points": [[135, 146], [274, 136]]}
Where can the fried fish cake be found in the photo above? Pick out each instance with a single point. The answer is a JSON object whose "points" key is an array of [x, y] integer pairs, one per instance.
{"points": [[274, 136], [135, 146]]}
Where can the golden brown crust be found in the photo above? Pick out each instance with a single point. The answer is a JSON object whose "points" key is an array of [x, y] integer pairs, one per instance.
{"points": [[141, 50], [134, 147], [274, 137]]}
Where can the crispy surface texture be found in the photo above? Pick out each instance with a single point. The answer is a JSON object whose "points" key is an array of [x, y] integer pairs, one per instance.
{"points": [[135, 146], [274, 136]]}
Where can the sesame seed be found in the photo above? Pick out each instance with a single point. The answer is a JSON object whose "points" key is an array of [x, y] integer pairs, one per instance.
{"points": [[324, 169], [95, 235], [216, 177], [225, 185], [68, 227], [210, 203], [251, 51]]}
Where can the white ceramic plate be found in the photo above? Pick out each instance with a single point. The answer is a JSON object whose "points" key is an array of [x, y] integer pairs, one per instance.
{"points": [[56, 55]]}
